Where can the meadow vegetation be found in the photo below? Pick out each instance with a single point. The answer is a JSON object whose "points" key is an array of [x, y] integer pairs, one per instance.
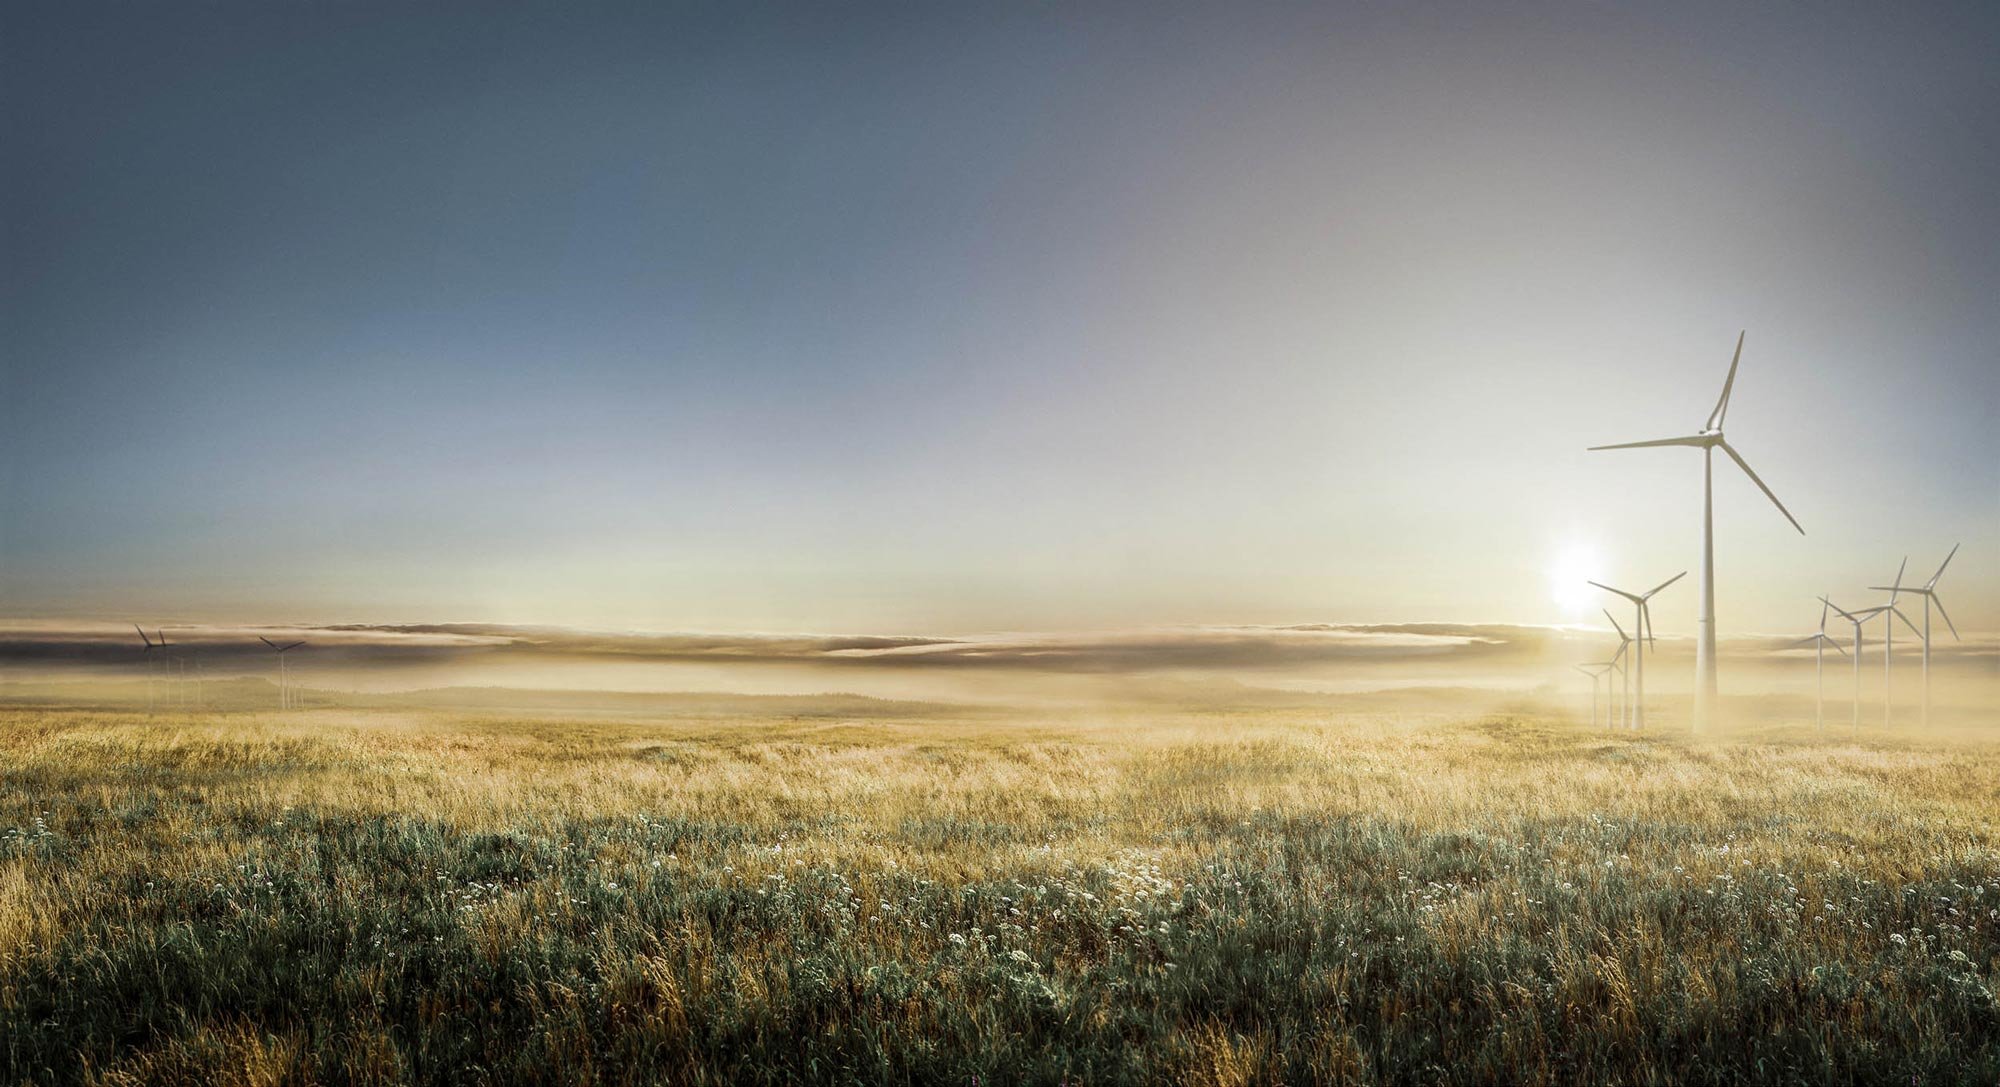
{"points": [[1222, 898]]}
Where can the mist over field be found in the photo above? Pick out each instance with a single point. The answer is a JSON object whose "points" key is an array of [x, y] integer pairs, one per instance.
{"points": [[1165, 667]]}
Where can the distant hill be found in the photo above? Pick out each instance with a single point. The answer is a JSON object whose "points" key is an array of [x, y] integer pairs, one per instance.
{"points": [[249, 695]]}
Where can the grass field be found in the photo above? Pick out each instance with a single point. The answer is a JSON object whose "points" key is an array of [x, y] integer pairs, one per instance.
{"points": [[377, 897]]}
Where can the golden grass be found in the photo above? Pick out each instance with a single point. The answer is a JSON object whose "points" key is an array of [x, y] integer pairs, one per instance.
{"points": [[1217, 898]]}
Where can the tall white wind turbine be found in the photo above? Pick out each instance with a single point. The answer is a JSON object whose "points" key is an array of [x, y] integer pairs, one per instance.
{"points": [[1929, 593], [1819, 642], [1707, 440], [1642, 628]]}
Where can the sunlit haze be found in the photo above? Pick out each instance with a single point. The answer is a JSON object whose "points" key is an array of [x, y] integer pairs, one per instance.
{"points": [[949, 322]]}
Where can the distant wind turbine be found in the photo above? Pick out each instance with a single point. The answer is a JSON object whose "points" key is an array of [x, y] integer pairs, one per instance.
{"points": [[1707, 440], [173, 672], [1642, 627], [1624, 664], [1889, 638], [1857, 618], [1819, 642], [284, 682], [1601, 667], [151, 645], [182, 663], [1929, 593]]}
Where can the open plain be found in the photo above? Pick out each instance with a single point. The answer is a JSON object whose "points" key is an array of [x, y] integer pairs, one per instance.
{"points": [[917, 897]]}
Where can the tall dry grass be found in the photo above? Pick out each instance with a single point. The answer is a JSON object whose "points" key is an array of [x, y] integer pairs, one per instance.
{"points": [[1221, 898]]}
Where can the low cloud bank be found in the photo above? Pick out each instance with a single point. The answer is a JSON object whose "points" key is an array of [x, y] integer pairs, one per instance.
{"points": [[31, 647]]}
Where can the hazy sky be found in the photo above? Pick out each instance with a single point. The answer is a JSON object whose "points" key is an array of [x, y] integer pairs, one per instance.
{"points": [[934, 318]]}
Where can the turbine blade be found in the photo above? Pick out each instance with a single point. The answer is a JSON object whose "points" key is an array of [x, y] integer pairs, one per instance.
{"points": [[1609, 589], [142, 635], [1849, 616], [1722, 402], [1836, 645], [1823, 605], [295, 645], [1898, 586], [1695, 440], [1939, 601], [1947, 562], [1898, 612], [267, 641], [1614, 625], [1745, 465], [1666, 583]]}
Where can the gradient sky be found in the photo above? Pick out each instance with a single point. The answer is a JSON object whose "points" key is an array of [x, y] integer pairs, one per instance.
{"points": [[933, 318]]}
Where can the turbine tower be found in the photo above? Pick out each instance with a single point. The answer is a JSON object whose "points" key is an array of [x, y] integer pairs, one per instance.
{"points": [[1929, 593], [284, 683], [1819, 642], [1707, 440], [1642, 626]]}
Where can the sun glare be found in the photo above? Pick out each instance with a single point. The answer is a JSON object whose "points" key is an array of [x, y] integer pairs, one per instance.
{"points": [[1570, 569]]}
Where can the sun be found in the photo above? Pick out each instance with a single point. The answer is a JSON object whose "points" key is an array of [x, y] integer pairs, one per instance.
{"points": [[1572, 565]]}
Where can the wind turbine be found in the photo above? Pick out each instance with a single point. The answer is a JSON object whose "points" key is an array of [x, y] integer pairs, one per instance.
{"points": [[173, 689], [1889, 637], [284, 685], [1857, 618], [1602, 667], [1707, 440], [1618, 658], [1820, 641], [1929, 593], [1642, 626], [150, 668], [179, 666]]}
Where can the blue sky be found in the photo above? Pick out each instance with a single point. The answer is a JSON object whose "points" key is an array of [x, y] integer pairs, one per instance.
{"points": [[954, 318]]}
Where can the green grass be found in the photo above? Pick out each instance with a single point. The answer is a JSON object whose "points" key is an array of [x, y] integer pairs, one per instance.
{"points": [[1216, 899]]}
